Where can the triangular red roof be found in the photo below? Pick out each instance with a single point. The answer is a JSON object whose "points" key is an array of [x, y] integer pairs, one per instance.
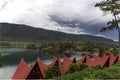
{"points": [[21, 71], [97, 60], [38, 70], [55, 59], [112, 59], [89, 61], [43, 67], [83, 59], [105, 61], [117, 58], [102, 61], [65, 64]]}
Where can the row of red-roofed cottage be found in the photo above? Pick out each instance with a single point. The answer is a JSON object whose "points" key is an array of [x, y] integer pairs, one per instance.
{"points": [[38, 70]]}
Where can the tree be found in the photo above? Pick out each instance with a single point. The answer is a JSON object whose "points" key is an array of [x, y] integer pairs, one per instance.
{"points": [[111, 7]]}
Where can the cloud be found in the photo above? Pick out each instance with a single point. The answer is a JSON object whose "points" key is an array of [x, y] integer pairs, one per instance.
{"points": [[100, 35], [25, 11], [75, 16]]}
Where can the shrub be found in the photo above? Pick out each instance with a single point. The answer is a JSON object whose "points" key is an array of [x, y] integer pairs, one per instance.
{"points": [[52, 72], [96, 72], [98, 67], [76, 67], [87, 73], [49, 73], [101, 74], [82, 66], [73, 67], [31, 46], [114, 71]]}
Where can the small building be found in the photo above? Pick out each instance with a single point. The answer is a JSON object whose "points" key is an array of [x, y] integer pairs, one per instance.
{"points": [[37, 71]]}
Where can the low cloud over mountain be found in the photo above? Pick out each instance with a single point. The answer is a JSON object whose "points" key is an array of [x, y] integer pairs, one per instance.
{"points": [[75, 16]]}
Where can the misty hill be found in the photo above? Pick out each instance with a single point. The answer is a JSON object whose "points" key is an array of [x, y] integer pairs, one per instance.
{"points": [[16, 32]]}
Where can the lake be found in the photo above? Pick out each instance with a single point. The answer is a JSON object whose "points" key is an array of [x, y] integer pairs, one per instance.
{"points": [[12, 55]]}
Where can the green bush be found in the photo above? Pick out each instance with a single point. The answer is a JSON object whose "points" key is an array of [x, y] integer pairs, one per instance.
{"points": [[98, 67], [73, 67], [97, 72], [101, 74], [76, 67], [5, 44], [82, 66], [32, 46], [114, 72], [52, 72], [87, 73], [49, 73]]}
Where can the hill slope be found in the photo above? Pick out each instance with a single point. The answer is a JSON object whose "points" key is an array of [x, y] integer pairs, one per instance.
{"points": [[27, 33]]}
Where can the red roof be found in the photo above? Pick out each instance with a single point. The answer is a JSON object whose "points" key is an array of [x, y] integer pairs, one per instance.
{"points": [[21, 71], [83, 60], [102, 61], [80, 60], [89, 61], [112, 59], [117, 58], [105, 61], [38, 70], [64, 66], [43, 67], [55, 59]]}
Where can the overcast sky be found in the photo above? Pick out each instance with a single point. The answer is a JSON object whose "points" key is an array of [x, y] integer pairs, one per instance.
{"points": [[70, 16]]}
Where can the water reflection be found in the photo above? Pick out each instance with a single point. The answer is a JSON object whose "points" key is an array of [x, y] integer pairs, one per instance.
{"points": [[11, 57]]}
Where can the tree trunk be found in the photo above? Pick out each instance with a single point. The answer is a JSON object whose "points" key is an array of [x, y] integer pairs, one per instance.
{"points": [[118, 31]]}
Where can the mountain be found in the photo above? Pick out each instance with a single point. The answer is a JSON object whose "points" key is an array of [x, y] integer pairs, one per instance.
{"points": [[17, 32]]}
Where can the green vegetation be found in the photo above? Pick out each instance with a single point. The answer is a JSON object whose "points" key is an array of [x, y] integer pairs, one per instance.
{"points": [[112, 72], [14, 43], [24, 33], [52, 72], [76, 67], [111, 7], [60, 48], [32, 46], [66, 47], [5, 43]]}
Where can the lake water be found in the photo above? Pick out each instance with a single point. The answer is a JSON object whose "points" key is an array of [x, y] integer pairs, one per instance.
{"points": [[11, 57]]}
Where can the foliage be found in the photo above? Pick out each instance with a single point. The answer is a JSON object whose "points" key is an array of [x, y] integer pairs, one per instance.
{"points": [[113, 50], [52, 72], [80, 75], [101, 74], [98, 67], [111, 7], [60, 48], [31, 46], [73, 67], [5, 43], [16, 32], [82, 66], [112, 72]]}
